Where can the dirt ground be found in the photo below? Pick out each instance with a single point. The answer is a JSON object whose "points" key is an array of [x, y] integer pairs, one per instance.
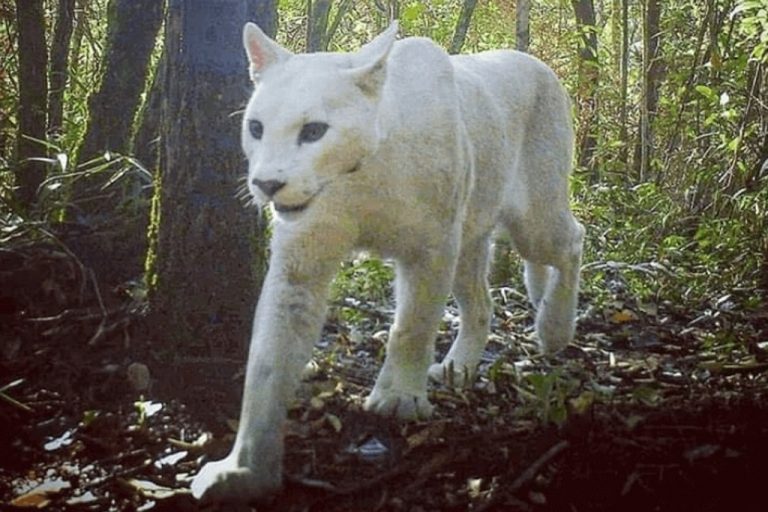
{"points": [[654, 407]]}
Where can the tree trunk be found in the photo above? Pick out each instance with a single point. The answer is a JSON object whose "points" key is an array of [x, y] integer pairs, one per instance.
{"points": [[462, 26], [522, 25], [264, 14], [624, 84], [589, 75], [146, 142], [33, 91], [204, 287], [58, 74], [317, 27], [651, 79], [132, 30]]}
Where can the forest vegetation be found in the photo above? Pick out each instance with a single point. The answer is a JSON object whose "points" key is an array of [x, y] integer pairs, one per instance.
{"points": [[126, 238]]}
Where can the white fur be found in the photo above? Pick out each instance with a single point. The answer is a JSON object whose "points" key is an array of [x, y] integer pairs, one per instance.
{"points": [[425, 155]]}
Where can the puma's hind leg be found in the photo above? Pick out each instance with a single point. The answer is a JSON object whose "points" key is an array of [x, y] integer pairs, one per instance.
{"points": [[470, 288], [555, 271], [536, 277]]}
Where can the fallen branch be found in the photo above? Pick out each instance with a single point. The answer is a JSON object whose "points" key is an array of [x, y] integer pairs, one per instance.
{"points": [[526, 476]]}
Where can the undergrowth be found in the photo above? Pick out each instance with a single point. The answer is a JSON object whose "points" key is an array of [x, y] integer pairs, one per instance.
{"points": [[666, 249]]}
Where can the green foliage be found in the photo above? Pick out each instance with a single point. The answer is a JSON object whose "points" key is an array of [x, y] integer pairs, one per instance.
{"points": [[754, 25], [694, 229], [364, 279], [669, 253], [85, 62], [547, 395], [84, 69]]}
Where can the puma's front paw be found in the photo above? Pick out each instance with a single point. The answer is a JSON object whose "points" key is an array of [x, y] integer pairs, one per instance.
{"points": [[451, 374], [406, 406], [225, 481]]}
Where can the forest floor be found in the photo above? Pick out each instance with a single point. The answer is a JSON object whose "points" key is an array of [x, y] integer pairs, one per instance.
{"points": [[653, 407]]}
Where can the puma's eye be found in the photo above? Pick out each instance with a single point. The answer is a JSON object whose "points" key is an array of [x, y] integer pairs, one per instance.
{"points": [[256, 129], [312, 132]]}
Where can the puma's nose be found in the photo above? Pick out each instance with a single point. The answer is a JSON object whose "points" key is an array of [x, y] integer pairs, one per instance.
{"points": [[269, 187]]}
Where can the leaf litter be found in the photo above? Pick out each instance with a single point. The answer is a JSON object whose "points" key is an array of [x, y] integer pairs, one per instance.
{"points": [[653, 407]]}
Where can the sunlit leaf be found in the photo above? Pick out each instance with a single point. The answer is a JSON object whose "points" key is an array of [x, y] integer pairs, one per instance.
{"points": [[707, 92], [623, 316]]}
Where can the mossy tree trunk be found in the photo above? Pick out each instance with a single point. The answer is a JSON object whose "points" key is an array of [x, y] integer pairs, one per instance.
{"points": [[205, 267], [146, 142], [131, 34], [115, 247]]}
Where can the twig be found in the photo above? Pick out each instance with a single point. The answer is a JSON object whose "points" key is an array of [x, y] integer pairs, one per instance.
{"points": [[102, 329], [69, 253], [534, 469], [15, 403], [121, 475], [96, 289], [68, 314], [105, 329], [335, 491], [526, 476]]}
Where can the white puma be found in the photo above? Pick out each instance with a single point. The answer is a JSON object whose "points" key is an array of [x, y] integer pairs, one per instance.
{"points": [[417, 156]]}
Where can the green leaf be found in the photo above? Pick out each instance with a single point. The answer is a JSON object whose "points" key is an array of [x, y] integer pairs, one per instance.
{"points": [[412, 12], [707, 92]]}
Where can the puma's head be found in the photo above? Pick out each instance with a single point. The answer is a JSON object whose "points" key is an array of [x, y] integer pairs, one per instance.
{"points": [[312, 117]]}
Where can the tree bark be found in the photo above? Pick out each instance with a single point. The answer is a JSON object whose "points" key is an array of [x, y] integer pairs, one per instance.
{"points": [[264, 14], [462, 26], [58, 75], [522, 25], [132, 30], [589, 75], [146, 142], [33, 91], [624, 84], [317, 27], [203, 267], [651, 78]]}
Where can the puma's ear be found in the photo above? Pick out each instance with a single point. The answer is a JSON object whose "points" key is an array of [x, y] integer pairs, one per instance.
{"points": [[370, 62], [262, 51]]}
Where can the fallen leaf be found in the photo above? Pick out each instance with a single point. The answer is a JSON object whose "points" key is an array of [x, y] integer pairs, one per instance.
{"points": [[583, 402], [426, 434], [623, 316], [334, 422], [153, 491], [39, 497]]}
